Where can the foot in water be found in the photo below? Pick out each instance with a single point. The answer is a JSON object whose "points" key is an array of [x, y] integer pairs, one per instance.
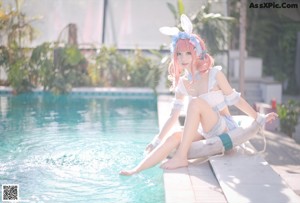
{"points": [[174, 163]]}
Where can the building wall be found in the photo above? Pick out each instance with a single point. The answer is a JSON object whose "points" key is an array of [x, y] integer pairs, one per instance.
{"points": [[129, 24]]}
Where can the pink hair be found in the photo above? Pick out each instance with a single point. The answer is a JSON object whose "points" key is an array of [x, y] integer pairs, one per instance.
{"points": [[201, 65]]}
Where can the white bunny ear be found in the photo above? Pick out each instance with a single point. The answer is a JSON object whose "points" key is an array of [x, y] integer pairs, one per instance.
{"points": [[186, 24], [169, 30]]}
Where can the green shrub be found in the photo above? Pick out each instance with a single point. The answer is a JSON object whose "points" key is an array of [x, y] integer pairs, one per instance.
{"points": [[115, 69], [288, 115], [70, 69], [144, 71]]}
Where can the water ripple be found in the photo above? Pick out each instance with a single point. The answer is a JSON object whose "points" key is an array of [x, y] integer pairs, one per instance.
{"points": [[65, 150]]}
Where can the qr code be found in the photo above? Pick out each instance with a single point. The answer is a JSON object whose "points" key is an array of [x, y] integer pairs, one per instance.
{"points": [[10, 192]]}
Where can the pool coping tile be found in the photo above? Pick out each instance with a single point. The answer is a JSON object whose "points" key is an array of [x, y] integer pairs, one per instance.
{"points": [[94, 91]]}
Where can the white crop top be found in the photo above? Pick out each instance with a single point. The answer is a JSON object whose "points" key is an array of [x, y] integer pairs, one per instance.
{"points": [[216, 99]]}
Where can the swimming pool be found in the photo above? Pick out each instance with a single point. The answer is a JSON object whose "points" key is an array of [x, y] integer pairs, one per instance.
{"points": [[71, 148]]}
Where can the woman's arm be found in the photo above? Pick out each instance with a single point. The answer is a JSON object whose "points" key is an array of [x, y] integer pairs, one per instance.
{"points": [[244, 106], [173, 118], [235, 99]]}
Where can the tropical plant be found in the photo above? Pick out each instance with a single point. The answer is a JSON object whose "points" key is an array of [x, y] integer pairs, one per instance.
{"points": [[70, 69], [139, 69], [144, 72], [131, 69], [19, 33], [59, 68], [4, 56], [41, 66], [17, 69], [214, 28], [176, 11], [155, 71], [288, 115], [5, 17], [112, 67]]}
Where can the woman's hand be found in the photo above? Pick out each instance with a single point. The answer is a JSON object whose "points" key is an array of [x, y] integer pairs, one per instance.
{"points": [[270, 117], [262, 119], [154, 143], [149, 148]]}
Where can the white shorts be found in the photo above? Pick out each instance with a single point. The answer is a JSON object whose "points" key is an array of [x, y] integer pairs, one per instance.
{"points": [[225, 123]]}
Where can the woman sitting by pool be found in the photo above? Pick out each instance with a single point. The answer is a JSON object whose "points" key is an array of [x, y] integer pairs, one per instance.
{"points": [[209, 93]]}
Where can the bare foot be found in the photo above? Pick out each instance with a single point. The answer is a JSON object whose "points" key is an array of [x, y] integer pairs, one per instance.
{"points": [[174, 163], [128, 172]]}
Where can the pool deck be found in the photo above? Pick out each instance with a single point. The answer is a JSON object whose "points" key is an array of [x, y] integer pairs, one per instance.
{"points": [[236, 176]]}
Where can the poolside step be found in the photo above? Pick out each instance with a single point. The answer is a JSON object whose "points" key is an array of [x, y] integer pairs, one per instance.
{"points": [[248, 178], [195, 183]]}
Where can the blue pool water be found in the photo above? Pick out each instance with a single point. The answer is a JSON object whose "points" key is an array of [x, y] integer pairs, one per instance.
{"points": [[71, 148]]}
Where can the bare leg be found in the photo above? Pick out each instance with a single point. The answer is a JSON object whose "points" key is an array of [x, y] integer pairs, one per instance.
{"points": [[157, 155], [198, 111]]}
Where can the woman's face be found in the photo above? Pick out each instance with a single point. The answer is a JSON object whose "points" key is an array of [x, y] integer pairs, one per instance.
{"points": [[185, 59]]}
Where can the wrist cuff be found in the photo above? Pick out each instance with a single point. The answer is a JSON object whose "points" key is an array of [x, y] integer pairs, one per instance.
{"points": [[155, 142], [261, 119]]}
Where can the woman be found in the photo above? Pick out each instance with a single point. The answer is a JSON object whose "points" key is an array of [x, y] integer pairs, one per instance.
{"points": [[210, 94]]}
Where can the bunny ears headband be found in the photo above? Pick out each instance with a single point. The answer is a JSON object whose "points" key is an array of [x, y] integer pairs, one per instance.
{"points": [[187, 26]]}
